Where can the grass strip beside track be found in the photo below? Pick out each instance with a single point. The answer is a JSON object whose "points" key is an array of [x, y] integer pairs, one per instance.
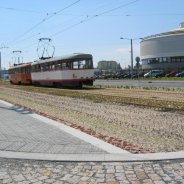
{"points": [[98, 96]]}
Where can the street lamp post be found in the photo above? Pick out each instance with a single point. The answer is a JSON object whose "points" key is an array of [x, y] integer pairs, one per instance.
{"points": [[131, 54], [132, 64]]}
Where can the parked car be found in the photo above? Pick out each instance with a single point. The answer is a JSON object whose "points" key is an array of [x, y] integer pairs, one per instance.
{"points": [[127, 76], [181, 74], [171, 74], [120, 76], [141, 74], [153, 73], [161, 74]]}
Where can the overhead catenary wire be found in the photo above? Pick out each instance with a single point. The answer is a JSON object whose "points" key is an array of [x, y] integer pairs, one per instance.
{"points": [[94, 16], [48, 16], [25, 47], [21, 10], [142, 15], [32, 36], [87, 18], [119, 7], [84, 15], [125, 15]]}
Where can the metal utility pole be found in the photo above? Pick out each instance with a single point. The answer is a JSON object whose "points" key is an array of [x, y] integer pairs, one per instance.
{"points": [[132, 64], [0, 61], [2, 47]]}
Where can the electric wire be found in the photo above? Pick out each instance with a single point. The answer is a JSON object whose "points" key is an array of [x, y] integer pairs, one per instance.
{"points": [[21, 10], [119, 7], [71, 26], [48, 16], [94, 16], [87, 18], [127, 15], [32, 36], [78, 16], [59, 13]]}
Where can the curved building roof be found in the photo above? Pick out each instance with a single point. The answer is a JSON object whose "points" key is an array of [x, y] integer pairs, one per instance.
{"points": [[177, 31]]}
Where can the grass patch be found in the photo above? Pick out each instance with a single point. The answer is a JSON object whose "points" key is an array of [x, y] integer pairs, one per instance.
{"points": [[139, 88]]}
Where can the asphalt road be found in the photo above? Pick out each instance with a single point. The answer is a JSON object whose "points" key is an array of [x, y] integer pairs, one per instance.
{"points": [[141, 83]]}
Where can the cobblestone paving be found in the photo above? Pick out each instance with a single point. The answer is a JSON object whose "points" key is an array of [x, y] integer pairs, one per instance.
{"points": [[38, 172]]}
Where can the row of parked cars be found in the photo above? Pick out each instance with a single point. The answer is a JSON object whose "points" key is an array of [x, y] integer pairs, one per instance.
{"points": [[118, 76], [152, 73], [161, 73]]}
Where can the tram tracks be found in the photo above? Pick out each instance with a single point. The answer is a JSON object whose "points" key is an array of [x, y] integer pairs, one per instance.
{"points": [[106, 116], [152, 98]]}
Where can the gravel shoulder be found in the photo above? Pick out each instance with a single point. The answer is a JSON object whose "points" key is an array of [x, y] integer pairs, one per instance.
{"points": [[134, 128]]}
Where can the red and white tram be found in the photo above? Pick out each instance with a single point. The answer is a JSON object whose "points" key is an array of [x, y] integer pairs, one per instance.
{"points": [[72, 70], [20, 74]]}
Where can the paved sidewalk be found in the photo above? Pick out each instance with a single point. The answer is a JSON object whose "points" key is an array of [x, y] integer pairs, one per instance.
{"points": [[26, 135], [20, 132]]}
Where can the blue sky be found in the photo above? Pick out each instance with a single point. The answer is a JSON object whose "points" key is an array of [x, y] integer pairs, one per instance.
{"points": [[85, 26]]}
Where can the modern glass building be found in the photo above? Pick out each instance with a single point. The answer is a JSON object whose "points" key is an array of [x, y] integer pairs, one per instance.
{"points": [[163, 51]]}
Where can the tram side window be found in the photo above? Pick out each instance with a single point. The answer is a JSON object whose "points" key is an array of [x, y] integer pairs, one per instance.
{"points": [[79, 64], [42, 68], [58, 67], [28, 70], [55, 65], [33, 68], [65, 65], [23, 70], [52, 67], [19, 70], [83, 64], [89, 63], [75, 65], [47, 68], [36, 68]]}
